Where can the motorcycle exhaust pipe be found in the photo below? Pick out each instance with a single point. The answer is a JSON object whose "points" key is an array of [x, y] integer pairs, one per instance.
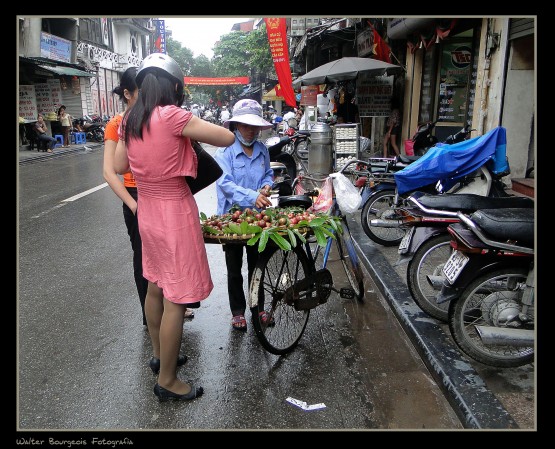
{"points": [[436, 282], [386, 223], [491, 335]]}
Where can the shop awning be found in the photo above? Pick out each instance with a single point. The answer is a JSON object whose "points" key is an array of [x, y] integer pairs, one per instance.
{"points": [[271, 96], [250, 89], [70, 71]]}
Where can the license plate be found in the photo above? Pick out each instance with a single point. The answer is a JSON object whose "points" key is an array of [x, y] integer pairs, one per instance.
{"points": [[403, 246], [454, 266]]}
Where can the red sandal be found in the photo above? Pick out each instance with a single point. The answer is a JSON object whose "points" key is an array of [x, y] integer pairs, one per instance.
{"points": [[266, 319], [239, 323]]}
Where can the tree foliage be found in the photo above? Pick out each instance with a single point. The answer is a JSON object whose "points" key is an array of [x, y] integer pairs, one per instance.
{"points": [[237, 53], [182, 55]]}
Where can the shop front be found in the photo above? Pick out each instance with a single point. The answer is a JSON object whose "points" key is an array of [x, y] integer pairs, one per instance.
{"points": [[440, 86], [44, 87]]}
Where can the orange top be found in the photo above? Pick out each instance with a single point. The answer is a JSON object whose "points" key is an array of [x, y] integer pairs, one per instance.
{"points": [[111, 133]]}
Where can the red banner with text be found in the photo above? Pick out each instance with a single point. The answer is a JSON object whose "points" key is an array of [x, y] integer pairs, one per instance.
{"points": [[202, 81], [277, 37]]}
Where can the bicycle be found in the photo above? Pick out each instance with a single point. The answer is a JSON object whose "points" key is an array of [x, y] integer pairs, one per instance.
{"points": [[287, 285]]}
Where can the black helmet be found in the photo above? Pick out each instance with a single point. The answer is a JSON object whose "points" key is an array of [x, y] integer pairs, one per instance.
{"points": [[159, 62]]}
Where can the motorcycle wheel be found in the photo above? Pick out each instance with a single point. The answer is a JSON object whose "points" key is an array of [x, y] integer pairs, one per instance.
{"points": [[424, 275], [381, 205], [487, 301], [301, 149]]}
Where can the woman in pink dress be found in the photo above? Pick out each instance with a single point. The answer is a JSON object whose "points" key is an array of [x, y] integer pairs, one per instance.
{"points": [[155, 143]]}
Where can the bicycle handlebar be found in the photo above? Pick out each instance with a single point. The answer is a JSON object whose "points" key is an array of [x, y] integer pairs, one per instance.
{"points": [[313, 178]]}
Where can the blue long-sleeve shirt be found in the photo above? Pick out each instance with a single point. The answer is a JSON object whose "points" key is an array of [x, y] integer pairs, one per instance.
{"points": [[243, 175]]}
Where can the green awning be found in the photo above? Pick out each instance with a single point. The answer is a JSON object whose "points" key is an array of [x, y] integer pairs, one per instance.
{"points": [[70, 71]]}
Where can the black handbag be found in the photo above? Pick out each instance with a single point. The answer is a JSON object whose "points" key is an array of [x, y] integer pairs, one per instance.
{"points": [[208, 170]]}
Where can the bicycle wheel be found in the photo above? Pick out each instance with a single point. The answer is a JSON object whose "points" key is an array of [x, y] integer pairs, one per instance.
{"points": [[425, 278], [275, 272], [349, 260], [381, 206]]}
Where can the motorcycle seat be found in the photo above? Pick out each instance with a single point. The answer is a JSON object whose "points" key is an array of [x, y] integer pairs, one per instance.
{"points": [[469, 202], [516, 224]]}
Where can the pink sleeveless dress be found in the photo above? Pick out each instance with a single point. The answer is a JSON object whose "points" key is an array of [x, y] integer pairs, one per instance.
{"points": [[174, 255]]}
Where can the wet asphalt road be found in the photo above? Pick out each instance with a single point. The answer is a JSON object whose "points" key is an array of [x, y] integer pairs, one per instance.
{"points": [[83, 352]]}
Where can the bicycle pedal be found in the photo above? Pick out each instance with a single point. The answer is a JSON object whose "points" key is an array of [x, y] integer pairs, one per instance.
{"points": [[347, 293]]}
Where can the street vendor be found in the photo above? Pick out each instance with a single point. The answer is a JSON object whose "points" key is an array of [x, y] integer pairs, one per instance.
{"points": [[42, 133], [246, 182]]}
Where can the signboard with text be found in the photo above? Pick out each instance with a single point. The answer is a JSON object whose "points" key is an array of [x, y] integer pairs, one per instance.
{"points": [[27, 102], [374, 95], [160, 36], [309, 95], [55, 93], [204, 81], [54, 47], [44, 99]]}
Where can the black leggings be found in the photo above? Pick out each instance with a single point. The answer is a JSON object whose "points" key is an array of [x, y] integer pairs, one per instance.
{"points": [[137, 246], [234, 263]]}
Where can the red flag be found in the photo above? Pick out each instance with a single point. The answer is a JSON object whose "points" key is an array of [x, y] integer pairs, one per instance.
{"points": [[277, 37], [381, 49]]}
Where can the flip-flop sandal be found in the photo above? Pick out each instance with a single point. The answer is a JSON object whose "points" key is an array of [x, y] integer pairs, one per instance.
{"points": [[266, 319], [239, 323]]}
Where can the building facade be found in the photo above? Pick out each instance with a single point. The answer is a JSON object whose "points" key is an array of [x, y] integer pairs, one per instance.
{"points": [[457, 71], [77, 62]]}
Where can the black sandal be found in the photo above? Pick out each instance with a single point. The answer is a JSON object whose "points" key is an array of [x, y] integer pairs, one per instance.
{"points": [[165, 395]]}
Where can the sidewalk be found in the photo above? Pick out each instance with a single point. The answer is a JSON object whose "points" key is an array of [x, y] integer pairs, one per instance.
{"points": [[466, 391]]}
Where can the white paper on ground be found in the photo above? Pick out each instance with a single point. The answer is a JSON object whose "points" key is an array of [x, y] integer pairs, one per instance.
{"points": [[304, 405]]}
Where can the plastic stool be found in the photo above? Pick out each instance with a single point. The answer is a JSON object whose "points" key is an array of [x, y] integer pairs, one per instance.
{"points": [[60, 140], [78, 138]]}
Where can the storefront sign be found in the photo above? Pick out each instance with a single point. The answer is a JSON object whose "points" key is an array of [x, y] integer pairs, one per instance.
{"points": [[454, 72], [160, 36], [365, 42], [203, 81], [55, 93], [27, 102], [309, 95], [374, 95], [44, 98], [277, 38], [54, 47]]}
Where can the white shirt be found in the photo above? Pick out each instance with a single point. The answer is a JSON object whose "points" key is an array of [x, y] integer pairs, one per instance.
{"points": [[286, 117], [224, 115]]}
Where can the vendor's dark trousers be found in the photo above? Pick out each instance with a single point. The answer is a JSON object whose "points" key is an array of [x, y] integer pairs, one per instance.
{"points": [[132, 224], [51, 141], [234, 263]]}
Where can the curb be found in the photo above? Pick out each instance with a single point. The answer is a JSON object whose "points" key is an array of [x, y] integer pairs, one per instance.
{"points": [[31, 156], [475, 405]]}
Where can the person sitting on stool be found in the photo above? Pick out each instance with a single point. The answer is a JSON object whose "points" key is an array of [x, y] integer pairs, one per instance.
{"points": [[41, 130]]}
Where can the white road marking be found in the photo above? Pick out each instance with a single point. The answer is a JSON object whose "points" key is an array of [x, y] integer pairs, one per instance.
{"points": [[70, 199], [85, 193]]}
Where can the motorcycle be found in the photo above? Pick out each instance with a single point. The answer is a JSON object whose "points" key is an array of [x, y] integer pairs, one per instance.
{"points": [[423, 139], [426, 244], [300, 140], [275, 147], [489, 283], [471, 166], [93, 127]]}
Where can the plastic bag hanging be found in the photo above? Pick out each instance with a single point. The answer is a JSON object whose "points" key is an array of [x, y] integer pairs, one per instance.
{"points": [[346, 194]]}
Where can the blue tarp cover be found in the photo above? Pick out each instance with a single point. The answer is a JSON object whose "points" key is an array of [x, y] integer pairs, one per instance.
{"points": [[448, 163]]}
